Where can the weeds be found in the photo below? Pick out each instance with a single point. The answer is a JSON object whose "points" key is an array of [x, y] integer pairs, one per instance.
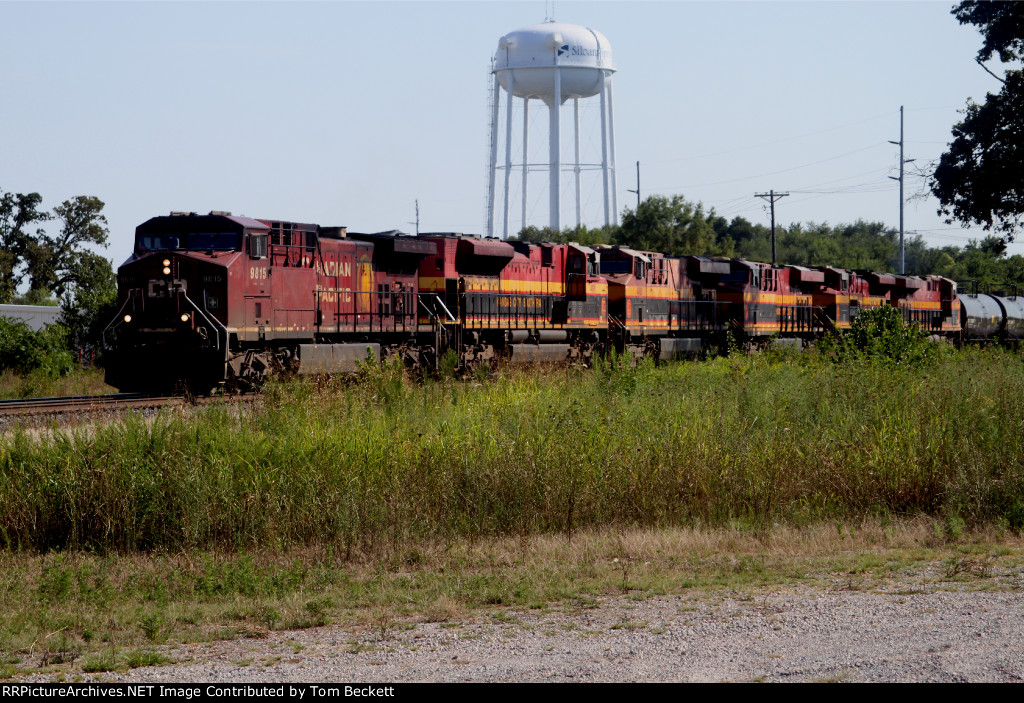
{"points": [[140, 657], [879, 335], [153, 628], [96, 663], [375, 591], [748, 440]]}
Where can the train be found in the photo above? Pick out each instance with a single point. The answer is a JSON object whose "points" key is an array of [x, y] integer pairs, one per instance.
{"points": [[218, 301]]}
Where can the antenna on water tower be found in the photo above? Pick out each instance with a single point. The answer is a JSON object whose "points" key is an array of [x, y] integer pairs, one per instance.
{"points": [[552, 62]]}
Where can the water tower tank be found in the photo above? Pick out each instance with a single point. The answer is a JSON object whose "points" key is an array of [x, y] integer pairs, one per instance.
{"points": [[581, 55], [552, 62]]}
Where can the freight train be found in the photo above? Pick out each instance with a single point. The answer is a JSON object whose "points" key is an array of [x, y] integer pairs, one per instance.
{"points": [[216, 300]]}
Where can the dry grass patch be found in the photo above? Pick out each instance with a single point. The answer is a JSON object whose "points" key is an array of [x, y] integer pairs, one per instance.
{"points": [[77, 612]]}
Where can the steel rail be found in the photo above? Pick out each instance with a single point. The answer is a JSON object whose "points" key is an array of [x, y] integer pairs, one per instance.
{"points": [[83, 403]]}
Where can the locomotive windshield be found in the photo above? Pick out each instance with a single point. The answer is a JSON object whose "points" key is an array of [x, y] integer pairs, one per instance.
{"points": [[611, 266], [192, 241]]}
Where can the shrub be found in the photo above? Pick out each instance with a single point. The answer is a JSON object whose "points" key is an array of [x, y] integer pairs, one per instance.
{"points": [[880, 335], [25, 350]]}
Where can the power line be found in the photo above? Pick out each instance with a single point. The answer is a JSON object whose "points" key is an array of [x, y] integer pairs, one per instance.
{"points": [[777, 141], [772, 173]]}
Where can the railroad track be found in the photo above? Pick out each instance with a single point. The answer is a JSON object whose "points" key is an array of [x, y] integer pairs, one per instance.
{"points": [[85, 403]]}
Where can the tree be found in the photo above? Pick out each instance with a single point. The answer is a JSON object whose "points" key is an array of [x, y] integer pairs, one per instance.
{"points": [[54, 263], [979, 180], [58, 267], [672, 226], [581, 235], [18, 212], [90, 301]]}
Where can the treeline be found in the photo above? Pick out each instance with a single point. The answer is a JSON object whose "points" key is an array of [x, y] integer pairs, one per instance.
{"points": [[678, 227], [48, 254]]}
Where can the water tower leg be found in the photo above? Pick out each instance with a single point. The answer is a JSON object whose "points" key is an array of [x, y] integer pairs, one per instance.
{"points": [[611, 141], [496, 93], [554, 155], [604, 153], [508, 147], [526, 140], [576, 117]]}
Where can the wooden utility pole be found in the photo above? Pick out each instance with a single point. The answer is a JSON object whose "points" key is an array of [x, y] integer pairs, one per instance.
{"points": [[637, 191], [417, 222], [771, 196]]}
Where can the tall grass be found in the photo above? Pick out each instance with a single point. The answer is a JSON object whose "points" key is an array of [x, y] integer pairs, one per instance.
{"points": [[387, 460], [37, 383]]}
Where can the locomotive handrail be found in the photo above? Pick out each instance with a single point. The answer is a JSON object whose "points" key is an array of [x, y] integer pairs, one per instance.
{"points": [[437, 299], [211, 320], [117, 321]]}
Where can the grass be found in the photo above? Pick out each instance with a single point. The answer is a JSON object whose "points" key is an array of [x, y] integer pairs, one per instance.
{"points": [[389, 461], [40, 385], [76, 611], [392, 498]]}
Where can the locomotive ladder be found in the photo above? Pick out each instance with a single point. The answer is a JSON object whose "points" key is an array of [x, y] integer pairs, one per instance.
{"points": [[440, 326], [618, 329]]}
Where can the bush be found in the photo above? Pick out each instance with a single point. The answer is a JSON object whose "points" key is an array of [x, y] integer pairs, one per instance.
{"points": [[880, 335], [25, 350]]}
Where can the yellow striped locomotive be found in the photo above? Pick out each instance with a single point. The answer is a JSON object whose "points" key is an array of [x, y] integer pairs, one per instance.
{"points": [[206, 300]]}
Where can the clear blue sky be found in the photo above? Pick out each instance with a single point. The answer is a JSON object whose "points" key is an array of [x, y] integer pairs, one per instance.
{"points": [[345, 113]]}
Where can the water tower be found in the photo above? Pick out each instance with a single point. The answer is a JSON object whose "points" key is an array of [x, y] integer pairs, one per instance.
{"points": [[552, 62]]}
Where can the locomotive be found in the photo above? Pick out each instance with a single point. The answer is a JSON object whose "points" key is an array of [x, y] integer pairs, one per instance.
{"points": [[219, 300]]}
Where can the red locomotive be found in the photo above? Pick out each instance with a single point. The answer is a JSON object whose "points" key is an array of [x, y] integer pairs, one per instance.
{"points": [[215, 299], [206, 299]]}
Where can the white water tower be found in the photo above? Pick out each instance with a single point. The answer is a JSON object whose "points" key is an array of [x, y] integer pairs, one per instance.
{"points": [[552, 62]]}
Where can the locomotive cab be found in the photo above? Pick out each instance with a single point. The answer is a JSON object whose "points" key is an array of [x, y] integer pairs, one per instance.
{"points": [[174, 311]]}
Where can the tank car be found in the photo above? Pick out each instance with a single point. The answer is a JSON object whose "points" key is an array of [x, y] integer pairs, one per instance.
{"points": [[990, 319]]}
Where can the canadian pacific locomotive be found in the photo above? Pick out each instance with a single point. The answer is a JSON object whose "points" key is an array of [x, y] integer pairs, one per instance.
{"points": [[214, 299]]}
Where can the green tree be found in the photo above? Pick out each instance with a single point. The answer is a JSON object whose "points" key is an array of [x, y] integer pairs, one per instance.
{"points": [[53, 263], [979, 180], [90, 300], [672, 226], [62, 268], [36, 296], [581, 235], [18, 212]]}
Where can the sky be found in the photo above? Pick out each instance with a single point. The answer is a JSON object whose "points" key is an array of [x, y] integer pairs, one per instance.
{"points": [[347, 113]]}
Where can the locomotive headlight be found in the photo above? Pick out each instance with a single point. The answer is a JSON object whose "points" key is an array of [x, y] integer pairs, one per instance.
{"points": [[127, 318], [184, 317], [166, 262], [167, 270]]}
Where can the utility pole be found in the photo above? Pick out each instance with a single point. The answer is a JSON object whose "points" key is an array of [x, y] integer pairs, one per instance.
{"points": [[903, 263], [771, 196], [417, 222], [637, 191]]}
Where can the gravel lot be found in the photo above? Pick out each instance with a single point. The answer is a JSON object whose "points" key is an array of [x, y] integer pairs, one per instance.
{"points": [[916, 630]]}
